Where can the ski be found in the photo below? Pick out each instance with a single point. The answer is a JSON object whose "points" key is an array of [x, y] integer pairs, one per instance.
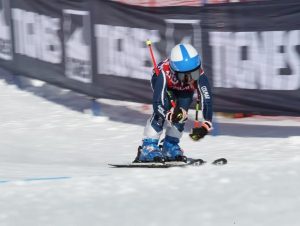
{"points": [[190, 162], [220, 161]]}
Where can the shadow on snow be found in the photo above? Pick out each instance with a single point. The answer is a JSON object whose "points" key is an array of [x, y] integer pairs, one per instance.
{"points": [[126, 114]]}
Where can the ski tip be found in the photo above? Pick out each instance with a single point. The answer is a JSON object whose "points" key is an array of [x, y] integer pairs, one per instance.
{"points": [[196, 162], [220, 161], [113, 165]]}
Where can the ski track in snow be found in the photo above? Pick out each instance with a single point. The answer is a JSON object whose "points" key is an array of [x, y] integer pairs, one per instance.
{"points": [[54, 172]]}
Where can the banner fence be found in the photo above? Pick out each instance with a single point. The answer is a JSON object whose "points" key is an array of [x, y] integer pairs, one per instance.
{"points": [[250, 51]]}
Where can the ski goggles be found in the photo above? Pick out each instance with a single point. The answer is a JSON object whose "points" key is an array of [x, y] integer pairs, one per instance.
{"points": [[189, 75]]}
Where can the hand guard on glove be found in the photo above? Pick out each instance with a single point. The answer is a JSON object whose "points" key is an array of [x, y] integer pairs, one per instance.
{"points": [[177, 115], [199, 132]]}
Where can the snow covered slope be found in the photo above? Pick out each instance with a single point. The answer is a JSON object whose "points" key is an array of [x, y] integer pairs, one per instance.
{"points": [[53, 168]]}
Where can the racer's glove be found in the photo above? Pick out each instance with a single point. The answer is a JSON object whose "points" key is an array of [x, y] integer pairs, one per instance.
{"points": [[199, 132], [177, 115]]}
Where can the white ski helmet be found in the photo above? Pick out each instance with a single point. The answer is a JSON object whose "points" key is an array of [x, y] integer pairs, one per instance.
{"points": [[184, 58]]}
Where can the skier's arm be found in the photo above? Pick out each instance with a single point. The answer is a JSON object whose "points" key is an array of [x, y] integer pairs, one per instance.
{"points": [[204, 89], [206, 97]]}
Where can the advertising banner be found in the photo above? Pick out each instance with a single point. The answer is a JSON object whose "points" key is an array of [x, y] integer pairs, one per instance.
{"points": [[5, 31], [250, 51]]}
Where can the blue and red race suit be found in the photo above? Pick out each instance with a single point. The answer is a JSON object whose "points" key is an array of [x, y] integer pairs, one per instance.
{"points": [[167, 86]]}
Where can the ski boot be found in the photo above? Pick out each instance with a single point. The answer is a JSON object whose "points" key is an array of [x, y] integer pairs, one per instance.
{"points": [[172, 151], [149, 152]]}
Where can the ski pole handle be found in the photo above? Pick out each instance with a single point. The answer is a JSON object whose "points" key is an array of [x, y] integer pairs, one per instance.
{"points": [[149, 44]]}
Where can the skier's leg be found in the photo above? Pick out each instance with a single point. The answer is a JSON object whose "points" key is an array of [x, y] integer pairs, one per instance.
{"points": [[154, 127], [171, 148], [149, 150]]}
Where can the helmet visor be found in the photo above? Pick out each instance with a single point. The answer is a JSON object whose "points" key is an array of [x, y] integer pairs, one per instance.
{"points": [[187, 76]]}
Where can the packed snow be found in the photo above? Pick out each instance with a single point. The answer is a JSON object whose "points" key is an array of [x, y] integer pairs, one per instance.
{"points": [[54, 156]]}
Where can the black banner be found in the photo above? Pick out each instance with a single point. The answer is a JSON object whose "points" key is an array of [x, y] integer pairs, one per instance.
{"points": [[250, 51]]}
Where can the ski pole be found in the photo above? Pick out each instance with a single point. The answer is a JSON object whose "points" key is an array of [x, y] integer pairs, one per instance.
{"points": [[149, 44], [193, 133], [197, 123]]}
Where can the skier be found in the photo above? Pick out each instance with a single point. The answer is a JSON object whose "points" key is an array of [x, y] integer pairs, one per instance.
{"points": [[173, 91]]}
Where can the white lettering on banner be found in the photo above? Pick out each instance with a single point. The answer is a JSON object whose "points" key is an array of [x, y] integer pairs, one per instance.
{"points": [[5, 32], [78, 64], [185, 35], [122, 51], [256, 60], [36, 36]]}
